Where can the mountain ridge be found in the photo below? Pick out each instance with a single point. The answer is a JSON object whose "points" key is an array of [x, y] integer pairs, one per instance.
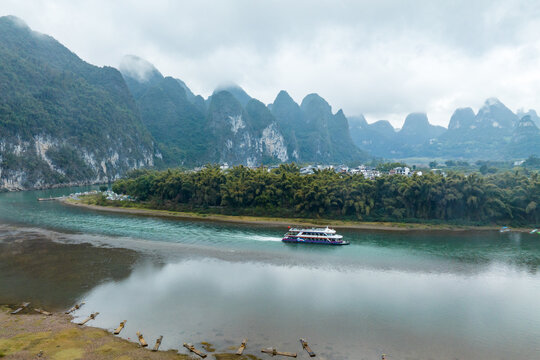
{"points": [[243, 130], [62, 120], [490, 134], [65, 121]]}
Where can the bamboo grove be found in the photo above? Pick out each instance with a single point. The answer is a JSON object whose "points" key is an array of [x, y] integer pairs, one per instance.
{"points": [[507, 198]]}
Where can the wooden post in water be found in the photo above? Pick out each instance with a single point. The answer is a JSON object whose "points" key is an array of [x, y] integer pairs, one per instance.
{"points": [[120, 327], [21, 308], [41, 311], [191, 348], [158, 342], [240, 350], [141, 340], [274, 352], [91, 317], [307, 348], [76, 307]]}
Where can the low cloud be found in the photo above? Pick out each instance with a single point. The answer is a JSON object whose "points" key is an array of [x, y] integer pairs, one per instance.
{"points": [[383, 59]]}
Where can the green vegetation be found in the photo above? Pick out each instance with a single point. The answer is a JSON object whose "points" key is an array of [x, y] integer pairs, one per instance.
{"points": [[56, 338], [84, 115], [386, 167], [177, 124], [532, 162], [506, 198], [313, 131]]}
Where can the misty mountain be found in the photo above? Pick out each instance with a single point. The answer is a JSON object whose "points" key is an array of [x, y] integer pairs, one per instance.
{"points": [[63, 120], [417, 130], [383, 127], [381, 139], [377, 138], [291, 120], [525, 138], [249, 136], [532, 113], [483, 137], [175, 117], [231, 126], [494, 133], [315, 134], [228, 127], [239, 94], [462, 119]]}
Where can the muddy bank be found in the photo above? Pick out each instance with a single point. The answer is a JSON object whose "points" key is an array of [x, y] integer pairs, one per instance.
{"points": [[24, 336]]}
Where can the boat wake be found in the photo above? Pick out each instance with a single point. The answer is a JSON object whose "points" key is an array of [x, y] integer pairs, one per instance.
{"points": [[265, 238]]}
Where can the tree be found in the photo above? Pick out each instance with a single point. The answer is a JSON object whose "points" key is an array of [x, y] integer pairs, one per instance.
{"points": [[509, 197], [433, 164], [385, 167], [532, 162]]}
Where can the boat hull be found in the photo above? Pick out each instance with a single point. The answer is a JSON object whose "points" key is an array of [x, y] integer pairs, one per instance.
{"points": [[316, 242]]}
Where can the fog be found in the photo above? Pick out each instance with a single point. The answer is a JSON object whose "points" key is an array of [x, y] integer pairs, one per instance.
{"points": [[383, 59]]}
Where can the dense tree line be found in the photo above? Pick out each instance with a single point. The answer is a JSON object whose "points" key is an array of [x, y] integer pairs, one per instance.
{"points": [[510, 197]]}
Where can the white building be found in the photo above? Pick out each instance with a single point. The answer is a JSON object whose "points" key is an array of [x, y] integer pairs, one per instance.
{"points": [[402, 171]]}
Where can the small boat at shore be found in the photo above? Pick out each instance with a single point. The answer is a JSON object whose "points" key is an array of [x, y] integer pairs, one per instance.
{"points": [[323, 236]]}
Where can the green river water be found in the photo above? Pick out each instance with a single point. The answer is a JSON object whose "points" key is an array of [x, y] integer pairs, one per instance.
{"points": [[411, 295]]}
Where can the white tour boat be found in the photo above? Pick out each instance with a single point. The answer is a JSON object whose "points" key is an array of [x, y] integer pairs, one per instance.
{"points": [[324, 236]]}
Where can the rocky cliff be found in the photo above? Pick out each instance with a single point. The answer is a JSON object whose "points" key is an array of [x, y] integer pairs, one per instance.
{"points": [[62, 120]]}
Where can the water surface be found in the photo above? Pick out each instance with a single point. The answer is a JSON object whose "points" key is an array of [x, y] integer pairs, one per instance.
{"points": [[413, 295]]}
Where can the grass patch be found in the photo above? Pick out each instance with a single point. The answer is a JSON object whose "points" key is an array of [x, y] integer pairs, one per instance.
{"points": [[69, 354], [21, 342]]}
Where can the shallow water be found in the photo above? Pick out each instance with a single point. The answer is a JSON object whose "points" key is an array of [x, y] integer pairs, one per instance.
{"points": [[413, 295]]}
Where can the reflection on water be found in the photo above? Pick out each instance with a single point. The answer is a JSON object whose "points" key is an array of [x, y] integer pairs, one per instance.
{"points": [[54, 275], [492, 315], [412, 295]]}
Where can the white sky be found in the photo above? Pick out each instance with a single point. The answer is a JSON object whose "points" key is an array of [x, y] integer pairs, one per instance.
{"points": [[383, 58]]}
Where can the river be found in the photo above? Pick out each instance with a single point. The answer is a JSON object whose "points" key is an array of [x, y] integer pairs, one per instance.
{"points": [[411, 295]]}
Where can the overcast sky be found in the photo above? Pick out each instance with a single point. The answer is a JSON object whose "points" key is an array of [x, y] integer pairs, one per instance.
{"points": [[380, 58]]}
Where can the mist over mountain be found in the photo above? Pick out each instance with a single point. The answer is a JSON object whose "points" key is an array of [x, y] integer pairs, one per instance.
{"points": [[493, 133], [63, 120], [239, 94], [417, 129], [462, 118], [168, 111], [231, 126], [525, 138], [532, 113]]}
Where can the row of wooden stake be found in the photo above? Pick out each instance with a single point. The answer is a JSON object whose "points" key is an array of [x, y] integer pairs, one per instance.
{"points": [[188, 346], [143, 342]]}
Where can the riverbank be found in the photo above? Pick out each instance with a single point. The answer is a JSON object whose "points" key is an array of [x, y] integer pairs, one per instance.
{"points": [[30, 336], [25, 336], [280, 222]]}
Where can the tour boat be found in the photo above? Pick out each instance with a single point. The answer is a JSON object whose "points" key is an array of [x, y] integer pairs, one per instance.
{"points": [[325, 236]]}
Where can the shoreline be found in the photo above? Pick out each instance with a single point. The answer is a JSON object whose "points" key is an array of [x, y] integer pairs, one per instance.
{"points": [[279, 222], [28, 335]]}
